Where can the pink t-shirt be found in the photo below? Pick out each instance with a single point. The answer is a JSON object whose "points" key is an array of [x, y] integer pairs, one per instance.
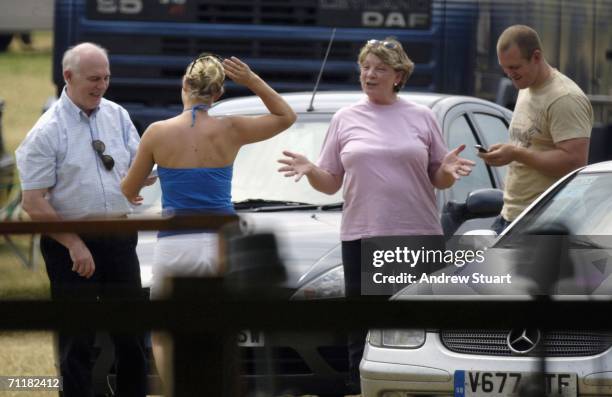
{"points": [[387, 154]]}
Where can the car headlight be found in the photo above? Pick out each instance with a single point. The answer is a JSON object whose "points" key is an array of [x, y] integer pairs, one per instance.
{"points": [[327, 286], [397, 338]]}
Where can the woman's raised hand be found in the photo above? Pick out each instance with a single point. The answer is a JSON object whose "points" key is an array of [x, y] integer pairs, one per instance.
{"points": [[238, 71]]}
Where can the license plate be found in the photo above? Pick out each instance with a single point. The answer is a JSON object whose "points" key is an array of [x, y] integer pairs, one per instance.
{"points": [[508, 384], [250, 338]]}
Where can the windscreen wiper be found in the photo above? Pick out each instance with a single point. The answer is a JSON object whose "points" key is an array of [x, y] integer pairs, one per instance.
{"points": [[262, 203], [296, 206], [332, 206]]}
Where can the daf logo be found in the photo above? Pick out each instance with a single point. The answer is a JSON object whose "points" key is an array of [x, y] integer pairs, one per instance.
{"points": [[523, 340], [377, 19]]}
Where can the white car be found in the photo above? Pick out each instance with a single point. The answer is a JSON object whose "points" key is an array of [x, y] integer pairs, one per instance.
{"points": [[499, 363]]}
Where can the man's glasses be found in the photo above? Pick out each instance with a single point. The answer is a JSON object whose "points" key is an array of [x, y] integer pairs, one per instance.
{"points": [[387, 44], [204, 56], [106, 159]]}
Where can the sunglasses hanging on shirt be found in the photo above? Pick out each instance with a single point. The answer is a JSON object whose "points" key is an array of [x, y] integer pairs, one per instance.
{"points": [[99, 147]]}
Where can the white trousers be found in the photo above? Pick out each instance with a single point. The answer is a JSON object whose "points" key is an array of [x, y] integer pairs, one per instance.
{"points": [[193, 255]]}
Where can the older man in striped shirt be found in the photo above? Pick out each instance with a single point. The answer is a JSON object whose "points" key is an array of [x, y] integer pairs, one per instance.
{"points": [[71, 164]]}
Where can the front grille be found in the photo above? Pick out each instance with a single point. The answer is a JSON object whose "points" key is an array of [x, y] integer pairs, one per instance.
{"points": [[258, 12], [420, 52], [157, 83], [413, 14], [556, 343]]}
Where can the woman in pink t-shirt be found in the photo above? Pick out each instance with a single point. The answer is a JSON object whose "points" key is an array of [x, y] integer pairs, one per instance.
{"points": [[390, 155]]}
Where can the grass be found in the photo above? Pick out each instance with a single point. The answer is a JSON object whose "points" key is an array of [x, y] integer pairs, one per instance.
{"points": [[17, 281], [26, 353], [25, 85]]}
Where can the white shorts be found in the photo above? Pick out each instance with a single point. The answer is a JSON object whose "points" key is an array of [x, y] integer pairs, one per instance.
{"points": [[193, 255]]}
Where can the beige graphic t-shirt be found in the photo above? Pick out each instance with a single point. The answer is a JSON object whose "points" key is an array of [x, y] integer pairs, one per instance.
{"points": [[554, 112]]}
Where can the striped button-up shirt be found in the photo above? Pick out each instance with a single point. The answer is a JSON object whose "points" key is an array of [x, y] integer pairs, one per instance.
{"points": [[58, 154]]}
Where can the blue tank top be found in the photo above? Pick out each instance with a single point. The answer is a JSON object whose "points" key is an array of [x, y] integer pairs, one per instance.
{"points": [[195, 190]]}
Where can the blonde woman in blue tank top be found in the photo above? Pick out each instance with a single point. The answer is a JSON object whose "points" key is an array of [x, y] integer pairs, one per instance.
{"points": [[194, 153]]}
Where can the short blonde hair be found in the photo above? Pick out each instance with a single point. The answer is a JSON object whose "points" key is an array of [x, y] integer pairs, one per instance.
{"points": [[391, 52], [524, 37], [205, 77]]}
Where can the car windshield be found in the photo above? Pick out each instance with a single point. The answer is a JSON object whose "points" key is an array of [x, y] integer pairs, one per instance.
{"points": [[582, 206], [255, 169], [256, 175], [537, 253]]}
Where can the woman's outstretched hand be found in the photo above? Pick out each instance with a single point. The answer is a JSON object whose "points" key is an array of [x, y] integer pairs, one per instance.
{"points": [[457, 166], [295, 165]]}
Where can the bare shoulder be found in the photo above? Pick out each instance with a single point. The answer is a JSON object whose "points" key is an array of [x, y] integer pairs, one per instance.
{"points": [[153, 128], [158, 129], [236, 123], [153, 135], [225, 124], [226, 121]]}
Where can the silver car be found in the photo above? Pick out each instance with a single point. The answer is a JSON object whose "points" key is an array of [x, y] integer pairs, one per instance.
{"points": [[500, 363], [307, 223]]}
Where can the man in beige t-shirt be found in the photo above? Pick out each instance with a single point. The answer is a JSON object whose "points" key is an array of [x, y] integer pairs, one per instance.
{"points": [[550, 128]]}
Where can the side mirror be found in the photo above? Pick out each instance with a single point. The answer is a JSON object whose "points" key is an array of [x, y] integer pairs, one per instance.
{"points": [[481, 203]]}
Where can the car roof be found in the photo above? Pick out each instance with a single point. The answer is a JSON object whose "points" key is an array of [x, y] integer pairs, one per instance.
{"points": [[325, 102], [605, 166]]}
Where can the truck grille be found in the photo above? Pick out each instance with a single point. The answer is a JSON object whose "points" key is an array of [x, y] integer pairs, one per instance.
{"points": [[556, 343], [306, 13], [258, 12], [184, 48]]}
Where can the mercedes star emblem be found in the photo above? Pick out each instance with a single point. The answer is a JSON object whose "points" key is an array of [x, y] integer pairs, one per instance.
{"points": [[523, 340]]}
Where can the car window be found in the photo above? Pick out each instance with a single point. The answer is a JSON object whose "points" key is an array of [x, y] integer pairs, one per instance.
{"points": [[494, 130], [255, 168], [459, 133], [582, 207]]}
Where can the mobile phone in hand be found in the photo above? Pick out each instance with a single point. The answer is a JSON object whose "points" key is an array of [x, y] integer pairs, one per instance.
{"points": [[481, 149]]}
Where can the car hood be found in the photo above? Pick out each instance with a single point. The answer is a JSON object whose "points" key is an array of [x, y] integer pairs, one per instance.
{"points": [[303, 237]]}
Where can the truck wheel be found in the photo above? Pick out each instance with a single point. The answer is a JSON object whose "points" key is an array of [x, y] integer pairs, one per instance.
{"points": [[5, 40]]}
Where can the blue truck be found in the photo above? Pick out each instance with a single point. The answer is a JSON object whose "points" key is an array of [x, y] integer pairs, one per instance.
{"points": [[452, 43], [151, 41]]}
